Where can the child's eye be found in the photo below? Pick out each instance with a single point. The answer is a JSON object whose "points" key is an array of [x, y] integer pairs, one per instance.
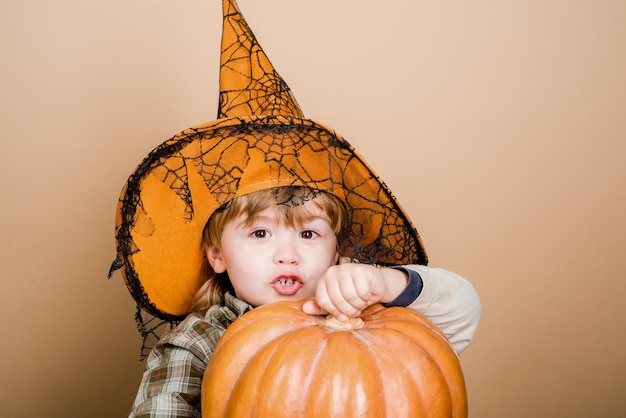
{"points": [[307, 234], [260, 233]]}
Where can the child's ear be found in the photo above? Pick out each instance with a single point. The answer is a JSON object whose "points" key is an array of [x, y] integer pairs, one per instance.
{"points": [[216, 260]]}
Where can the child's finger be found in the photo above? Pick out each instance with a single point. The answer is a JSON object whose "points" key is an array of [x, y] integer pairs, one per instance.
{"points": [[312, 308]]}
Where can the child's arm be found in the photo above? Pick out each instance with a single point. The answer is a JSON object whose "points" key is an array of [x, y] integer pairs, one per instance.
{"points": [[450, 302], [445, 298]]}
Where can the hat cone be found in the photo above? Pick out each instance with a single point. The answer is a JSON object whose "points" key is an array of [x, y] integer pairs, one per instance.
{"points": [[249, 84]]}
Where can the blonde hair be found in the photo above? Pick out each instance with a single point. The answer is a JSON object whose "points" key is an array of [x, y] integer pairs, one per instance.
{"points": [[290, 200]]}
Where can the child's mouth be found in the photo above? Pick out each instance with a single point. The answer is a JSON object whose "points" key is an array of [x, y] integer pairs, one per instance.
{"points": [[287, 285]]}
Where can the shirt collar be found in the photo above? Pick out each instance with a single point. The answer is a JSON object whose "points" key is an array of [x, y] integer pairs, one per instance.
{"points": [[237, 306]]}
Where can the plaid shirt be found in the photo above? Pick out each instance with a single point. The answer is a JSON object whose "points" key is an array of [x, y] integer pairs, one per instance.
{"points": [[172, 382]]}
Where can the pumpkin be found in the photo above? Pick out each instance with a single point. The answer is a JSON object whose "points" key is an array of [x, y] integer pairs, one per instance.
{"points": [[276, 361]]}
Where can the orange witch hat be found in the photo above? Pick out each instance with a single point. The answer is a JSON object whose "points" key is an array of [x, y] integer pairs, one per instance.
{"points": [[260, 140]]}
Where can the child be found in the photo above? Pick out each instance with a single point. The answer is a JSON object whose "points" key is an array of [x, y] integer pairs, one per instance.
{"points": [[259, 206], [274, 249]]}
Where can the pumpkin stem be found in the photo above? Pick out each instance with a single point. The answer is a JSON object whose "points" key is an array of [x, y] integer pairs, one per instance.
{"points": [[345, 325]]}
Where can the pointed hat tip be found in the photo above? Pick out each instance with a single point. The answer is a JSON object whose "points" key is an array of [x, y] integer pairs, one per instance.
{"points": [[249, 84]]}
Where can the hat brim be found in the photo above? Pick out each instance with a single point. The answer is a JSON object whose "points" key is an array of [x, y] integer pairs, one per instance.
{"points": [[171, 195]]}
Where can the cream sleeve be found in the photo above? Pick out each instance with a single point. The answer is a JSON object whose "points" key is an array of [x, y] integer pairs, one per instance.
{"points": [[450, 302]]}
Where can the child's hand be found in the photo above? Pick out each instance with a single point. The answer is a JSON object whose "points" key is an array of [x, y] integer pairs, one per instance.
{"points": [[346, 289]]}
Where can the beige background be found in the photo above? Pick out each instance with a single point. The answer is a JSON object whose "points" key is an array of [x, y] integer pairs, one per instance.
{"points": [[500, 126]]}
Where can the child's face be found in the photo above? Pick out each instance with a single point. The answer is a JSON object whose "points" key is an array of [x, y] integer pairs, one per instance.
{"points": [[268, 260]]}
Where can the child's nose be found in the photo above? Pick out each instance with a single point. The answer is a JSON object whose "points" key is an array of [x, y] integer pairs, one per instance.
{"points": [[286, 253]]}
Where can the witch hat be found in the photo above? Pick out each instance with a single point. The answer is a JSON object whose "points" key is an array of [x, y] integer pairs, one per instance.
{"points": [[260, 140]]}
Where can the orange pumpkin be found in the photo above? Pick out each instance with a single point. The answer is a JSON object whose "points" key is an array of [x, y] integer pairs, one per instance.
{"points": [[276, 361]]}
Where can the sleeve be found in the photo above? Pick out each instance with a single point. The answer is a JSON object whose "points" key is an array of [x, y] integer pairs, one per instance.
{"points": [[450, 302], [172, 382]]}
